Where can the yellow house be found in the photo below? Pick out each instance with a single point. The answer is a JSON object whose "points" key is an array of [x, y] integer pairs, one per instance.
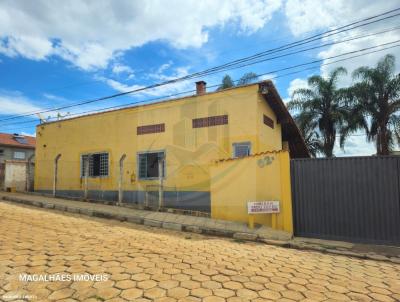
{"points": [[187, 134]]}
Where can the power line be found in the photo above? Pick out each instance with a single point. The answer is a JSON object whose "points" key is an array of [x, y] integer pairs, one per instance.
{"points": [[101, 81], [205, 72], [121, 106], [306, 49], [307, 40], [269, 72], [123, 93]]}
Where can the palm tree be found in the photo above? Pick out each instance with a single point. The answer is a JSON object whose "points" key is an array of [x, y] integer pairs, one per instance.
{"points": [[311, 137], [320, 108], [375, 101]]}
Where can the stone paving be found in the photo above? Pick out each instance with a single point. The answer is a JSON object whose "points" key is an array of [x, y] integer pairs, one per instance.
{"points": [[151, 218], [142, 263]]}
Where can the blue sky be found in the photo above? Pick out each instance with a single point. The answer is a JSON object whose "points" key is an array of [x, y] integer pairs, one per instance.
{"points": [[56, 55]]}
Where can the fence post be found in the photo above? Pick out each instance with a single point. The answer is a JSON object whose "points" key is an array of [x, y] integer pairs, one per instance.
{"points": [[161, 180], [55, 173], [121, 175], [85, 195], [28, 173]]}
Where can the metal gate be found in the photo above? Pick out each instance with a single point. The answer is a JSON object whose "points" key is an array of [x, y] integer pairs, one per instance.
{"points": [[354, 199]]}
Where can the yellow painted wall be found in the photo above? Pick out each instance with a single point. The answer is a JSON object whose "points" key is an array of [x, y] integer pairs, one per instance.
{"points": [[256, 178], [268, 138], [189, 152]]}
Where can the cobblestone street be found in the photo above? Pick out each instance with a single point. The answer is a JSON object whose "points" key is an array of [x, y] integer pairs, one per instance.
{"points": [[151, 264]]}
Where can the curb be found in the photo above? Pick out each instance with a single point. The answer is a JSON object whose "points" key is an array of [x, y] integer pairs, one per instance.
{"points": [[251, 237]]}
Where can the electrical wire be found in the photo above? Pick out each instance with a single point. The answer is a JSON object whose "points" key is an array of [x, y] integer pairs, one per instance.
{"points": [[148, 101], [230, 64]]}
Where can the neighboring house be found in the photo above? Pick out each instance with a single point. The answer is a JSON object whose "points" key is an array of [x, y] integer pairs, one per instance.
{"points": [[15, 151], [16, 147], [187, 134]]}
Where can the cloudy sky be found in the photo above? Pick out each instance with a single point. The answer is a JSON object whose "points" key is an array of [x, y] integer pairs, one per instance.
{"points": [[54, 55]]}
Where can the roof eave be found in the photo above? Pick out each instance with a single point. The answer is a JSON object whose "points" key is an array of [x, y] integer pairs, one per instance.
{"points": [[290, 131], [17, 146]]}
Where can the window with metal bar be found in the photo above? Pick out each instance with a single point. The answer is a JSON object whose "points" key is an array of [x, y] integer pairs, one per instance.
{"points": [[241, 149], [98, 164], [19, 155], [148, 164]]}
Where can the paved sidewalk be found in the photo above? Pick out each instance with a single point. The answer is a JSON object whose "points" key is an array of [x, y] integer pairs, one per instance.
{"points": [[165, 220], [143, 264], [205, 225]]}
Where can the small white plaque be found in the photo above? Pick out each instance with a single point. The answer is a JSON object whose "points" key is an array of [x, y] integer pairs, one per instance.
{"points": [[262, 207]]}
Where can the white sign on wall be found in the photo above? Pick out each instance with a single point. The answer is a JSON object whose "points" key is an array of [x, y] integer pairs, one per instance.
{"points": [[259, 207]]}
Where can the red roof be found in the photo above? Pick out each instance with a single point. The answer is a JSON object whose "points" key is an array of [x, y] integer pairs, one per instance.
{"points": [[24, 141]]}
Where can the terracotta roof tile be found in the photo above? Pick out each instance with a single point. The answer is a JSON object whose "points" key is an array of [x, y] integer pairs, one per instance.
{"points": [[7, 139]]}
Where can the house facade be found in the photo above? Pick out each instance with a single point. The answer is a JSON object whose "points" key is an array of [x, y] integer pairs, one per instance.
{"points": [[183, 136], [16, 151], [16, 147]]}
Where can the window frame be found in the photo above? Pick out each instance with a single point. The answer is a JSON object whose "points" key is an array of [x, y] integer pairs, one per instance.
{"points": [[19, 158], [1, 152], [240, 143], [82, 171], [138, 164]]}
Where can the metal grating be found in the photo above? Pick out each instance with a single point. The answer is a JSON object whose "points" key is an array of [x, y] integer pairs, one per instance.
{"points": [[210, 121], [268, 121], [148, 129], [354, 199], [98, 164]]}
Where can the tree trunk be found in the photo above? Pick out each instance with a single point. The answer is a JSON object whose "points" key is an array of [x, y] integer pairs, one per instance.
{"points": [[382, 141], [383, 133], [330, 143]]}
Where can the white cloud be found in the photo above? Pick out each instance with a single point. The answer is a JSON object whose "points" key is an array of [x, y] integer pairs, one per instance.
{"points": [[365, 60], [55, 98], [34, 48], [355, 145], [304, 16], [269, 76], [293, 86], [301, 19], [90, 33], [309, 15], [15, 103], [120, 68], [28, 134], [158, 91], [296, 84]]}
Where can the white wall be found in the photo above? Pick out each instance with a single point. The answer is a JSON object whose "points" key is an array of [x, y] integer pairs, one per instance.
{"points": [[15, 175]]}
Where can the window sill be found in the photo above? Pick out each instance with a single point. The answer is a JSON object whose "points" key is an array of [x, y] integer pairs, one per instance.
{"points": [[149, 178], [83, 177]]}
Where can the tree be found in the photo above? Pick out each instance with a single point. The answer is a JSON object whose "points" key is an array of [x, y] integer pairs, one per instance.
{"points": [[247, 78], [320, 107], [375, 102], [226, 82], [311, 137]]}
